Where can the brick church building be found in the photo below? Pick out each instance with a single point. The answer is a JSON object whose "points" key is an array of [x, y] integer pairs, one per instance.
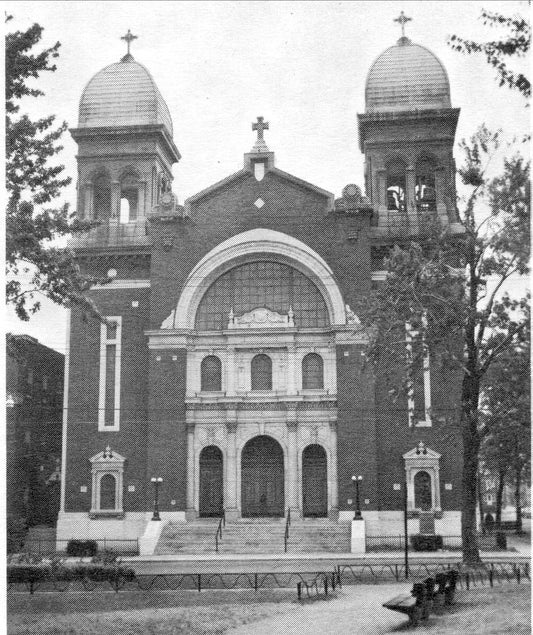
{"points": [[231, 366]]}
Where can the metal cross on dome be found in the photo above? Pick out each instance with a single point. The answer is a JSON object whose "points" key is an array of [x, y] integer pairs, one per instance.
{"points": [[128, 38], [402, 20]]}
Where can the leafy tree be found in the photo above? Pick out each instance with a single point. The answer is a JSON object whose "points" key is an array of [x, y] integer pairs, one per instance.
{"points": [[505, 422], [516, 42], [439, 286], [31, 182]]}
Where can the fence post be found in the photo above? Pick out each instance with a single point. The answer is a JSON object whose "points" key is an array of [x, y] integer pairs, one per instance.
{"points": [[326, 585], [333, 581], [199, 582], [299, 590], [491, 577], [255, 581], [467, 581], [396, 572], [518, 574], [526, 569]]}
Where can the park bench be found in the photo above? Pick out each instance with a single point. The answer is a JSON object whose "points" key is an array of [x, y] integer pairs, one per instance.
{"points": [[418, 604]]}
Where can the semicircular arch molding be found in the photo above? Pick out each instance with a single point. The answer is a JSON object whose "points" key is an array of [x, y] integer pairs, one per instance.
{"points": [[244, 247]]}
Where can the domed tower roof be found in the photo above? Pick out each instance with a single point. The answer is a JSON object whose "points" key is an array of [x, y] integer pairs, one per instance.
{"points": [[407, 76], [123, 94]]}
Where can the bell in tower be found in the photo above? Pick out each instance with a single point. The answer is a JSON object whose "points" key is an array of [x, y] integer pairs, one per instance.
{"points": [[125, 151], [407, 134]]}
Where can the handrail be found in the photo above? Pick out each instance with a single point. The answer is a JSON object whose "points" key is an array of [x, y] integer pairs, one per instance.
{"points": [[287, 525], [218, 535]]}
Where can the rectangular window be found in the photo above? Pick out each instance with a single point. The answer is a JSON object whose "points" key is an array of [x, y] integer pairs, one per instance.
{"points": [[419, 384], [109, 389]]}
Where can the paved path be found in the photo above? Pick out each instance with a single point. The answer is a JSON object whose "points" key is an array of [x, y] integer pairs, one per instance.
{"points": [[355, 610]]}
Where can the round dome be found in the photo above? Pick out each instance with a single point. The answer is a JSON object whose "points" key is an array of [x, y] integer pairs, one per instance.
{"points": [[407, 76], [123, 94]]}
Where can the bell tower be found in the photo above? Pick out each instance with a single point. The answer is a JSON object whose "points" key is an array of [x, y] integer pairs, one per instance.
{"points": [[407, 134], [125, 151]]}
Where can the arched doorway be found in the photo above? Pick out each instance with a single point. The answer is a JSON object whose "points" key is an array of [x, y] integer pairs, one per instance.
{"points": [[423, 498], [211, 482], [315, 481], [262, 478]]}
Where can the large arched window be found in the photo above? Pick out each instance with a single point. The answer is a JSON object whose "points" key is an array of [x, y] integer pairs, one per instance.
{"points": [[129, 197], [396, 186], [312, 371], [101, 197], [274, 285], [108, 489], [211, 373], [261, 371], [425, 192]]}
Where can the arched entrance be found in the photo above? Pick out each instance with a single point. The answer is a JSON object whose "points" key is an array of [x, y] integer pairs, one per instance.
{"points": [[262, 478], [211, 482], [315, 481]]}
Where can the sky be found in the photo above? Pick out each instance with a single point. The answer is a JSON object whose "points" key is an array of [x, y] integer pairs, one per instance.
{"points": [[218, 65]]}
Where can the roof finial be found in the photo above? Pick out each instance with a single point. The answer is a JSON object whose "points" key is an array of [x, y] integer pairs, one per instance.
{"points": [[128, 38], [260, 126], [402, 20]]}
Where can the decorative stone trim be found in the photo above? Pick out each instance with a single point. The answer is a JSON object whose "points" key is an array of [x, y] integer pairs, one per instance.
{"points": [[102, 464]]}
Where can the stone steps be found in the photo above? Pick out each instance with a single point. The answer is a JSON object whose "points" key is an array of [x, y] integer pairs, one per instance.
{"points": [[255, 536]]}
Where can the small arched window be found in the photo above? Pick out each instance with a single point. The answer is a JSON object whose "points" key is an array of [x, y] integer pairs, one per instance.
{"points": [[108, 487], [312, 371], [396, 200], [129, 198], [261, 370], [102, 197], [425, 192], [211, 373]]}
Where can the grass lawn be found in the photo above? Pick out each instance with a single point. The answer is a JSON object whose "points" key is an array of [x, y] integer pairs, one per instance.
{"points": [[211, 612], [356, 610]]}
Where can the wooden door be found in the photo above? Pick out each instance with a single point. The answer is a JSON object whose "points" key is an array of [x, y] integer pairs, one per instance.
{"points": [[262, 478], [315, 481], [211, 482]]}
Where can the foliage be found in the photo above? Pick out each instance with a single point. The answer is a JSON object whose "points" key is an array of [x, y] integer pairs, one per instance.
{"points": [[32, 181], [440, 287], [16, 529], [421, 542], [83, 548], [516, 42]]}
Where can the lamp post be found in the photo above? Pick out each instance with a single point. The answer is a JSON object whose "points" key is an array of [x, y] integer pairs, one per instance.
{"points": [[357, 480], [406, 533], [156, 480]]}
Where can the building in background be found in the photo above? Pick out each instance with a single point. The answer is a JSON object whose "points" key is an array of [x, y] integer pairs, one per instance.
{"points": [[231, 364], [34, 376]]}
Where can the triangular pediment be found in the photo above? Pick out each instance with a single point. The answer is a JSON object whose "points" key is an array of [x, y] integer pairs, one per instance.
{"points": [[421, 452]]}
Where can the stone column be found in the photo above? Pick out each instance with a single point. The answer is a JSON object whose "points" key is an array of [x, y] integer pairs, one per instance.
{"points": [[292, 461], [88, 208], [381, 190], [230, 496], [292, 386], [332, 472], [410, 201], [440, 193], [141, 210], [115, 201], [190, 512], [230, 372]]}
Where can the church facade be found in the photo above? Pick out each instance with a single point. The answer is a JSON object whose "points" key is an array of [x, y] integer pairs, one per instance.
{"points": [[231, 366]]}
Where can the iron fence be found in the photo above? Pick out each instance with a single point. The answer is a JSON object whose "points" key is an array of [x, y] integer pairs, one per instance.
{"points": [[486, 542], [45, 547]]}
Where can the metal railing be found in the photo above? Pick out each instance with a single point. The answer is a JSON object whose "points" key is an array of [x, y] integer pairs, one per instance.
{"points": [[287, 528], [218, 535]]}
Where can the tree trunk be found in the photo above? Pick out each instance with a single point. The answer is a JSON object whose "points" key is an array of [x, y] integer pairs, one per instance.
{"points": [[499, 497], [469, 403], [518, 500], [480, 502]]}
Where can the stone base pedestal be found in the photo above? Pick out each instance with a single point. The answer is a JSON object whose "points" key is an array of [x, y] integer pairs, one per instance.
{"points": [[358, 544], [232, 514], [190, 515]]}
